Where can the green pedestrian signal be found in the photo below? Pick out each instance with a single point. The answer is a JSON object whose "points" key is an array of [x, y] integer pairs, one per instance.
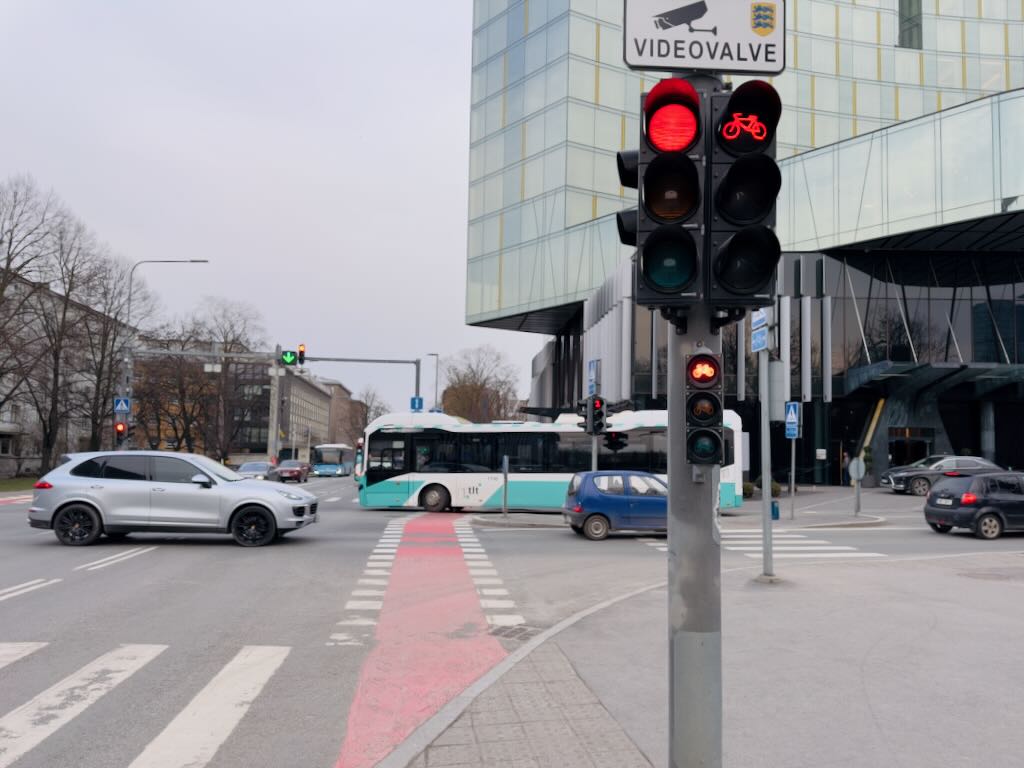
{"points": [[288, 357]]}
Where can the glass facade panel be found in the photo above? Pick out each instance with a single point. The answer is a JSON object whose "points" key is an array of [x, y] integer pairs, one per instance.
{"points": [[966, 164]]}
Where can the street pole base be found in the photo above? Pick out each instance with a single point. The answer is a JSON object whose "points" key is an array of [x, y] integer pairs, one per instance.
{"points": [[766, 579]]}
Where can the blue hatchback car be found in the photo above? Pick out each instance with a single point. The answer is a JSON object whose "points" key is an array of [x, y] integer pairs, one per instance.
{"points": [[613, 500]]}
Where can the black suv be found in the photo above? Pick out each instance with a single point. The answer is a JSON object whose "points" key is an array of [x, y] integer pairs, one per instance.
{"points": [[988, 504]]}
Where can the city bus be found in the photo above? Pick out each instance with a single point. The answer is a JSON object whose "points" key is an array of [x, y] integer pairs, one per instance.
{"points": [[332, 460], [434, 461]]}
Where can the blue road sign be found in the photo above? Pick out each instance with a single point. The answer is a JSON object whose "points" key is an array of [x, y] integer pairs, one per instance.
{"points": [[592, 377], [122, 405], [759, 340], [758, 319], [416, 403], [792, 420]]}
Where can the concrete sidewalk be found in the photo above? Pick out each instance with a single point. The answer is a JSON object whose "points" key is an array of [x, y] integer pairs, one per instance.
{"points": [[895, 662]]}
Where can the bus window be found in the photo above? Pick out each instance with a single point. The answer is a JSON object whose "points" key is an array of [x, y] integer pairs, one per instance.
{"points": [[435, 453], [386, 457], [479, 453], [566, 452], [524, 451]]}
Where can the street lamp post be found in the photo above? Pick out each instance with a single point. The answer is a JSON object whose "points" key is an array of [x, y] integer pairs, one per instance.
{"points": [[437, 364]]}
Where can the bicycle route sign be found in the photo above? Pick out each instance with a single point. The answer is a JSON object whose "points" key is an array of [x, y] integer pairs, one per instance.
{"points": [[743, 36]]}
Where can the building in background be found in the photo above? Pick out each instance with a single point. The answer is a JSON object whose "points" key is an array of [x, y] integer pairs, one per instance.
{"points": [[866, 161], [305, 414], [345, 419]]}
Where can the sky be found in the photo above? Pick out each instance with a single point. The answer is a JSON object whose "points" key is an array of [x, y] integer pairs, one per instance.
{"points": [[315, 152]]}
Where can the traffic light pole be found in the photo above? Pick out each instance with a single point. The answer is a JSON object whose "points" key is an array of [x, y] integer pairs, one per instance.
{"points": [[593, 453], [694, 573]]}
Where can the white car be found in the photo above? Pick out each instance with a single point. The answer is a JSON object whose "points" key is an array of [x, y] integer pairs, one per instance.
{"points": [[121, 492]]}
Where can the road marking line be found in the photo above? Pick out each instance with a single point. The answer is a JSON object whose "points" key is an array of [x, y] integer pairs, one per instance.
{"points": [[355, 500], [376, 572], [748, 536], [752, 530], [357, 623], [363, 605], [505, 620], [483, 572], [791, 542], [343, 638], [473, 556], [485, 603], [11, 652], [192, 738], [486, 580], [810, 555], [29, 589], [474, 550], [493, 592], [373, 582], [382, 557], [384, 550], [367, 592], [19, 586], [333, 499], [114, 556], [795, 549], [24, 728], [121, 559]]}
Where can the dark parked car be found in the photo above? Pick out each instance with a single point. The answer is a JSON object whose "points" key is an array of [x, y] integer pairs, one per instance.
{"points": [[987, 504], [600, 502], [289, 470], [919, 477]]}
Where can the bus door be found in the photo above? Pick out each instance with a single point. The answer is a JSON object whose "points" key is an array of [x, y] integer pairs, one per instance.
{"points": [[387, 476]]}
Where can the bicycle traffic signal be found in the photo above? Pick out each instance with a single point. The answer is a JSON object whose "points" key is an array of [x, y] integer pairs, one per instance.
{"points": [[302, 354], [666, 227], [704, 398], [743, 250]]}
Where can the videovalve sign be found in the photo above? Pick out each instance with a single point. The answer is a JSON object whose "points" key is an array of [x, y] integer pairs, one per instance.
{"points": [[745, 36]]}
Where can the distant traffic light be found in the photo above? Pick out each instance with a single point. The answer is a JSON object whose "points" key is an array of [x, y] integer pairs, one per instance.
{"points": [[598, 418], [583, 411], [667, 170], [615, 441], [743, 250], [704, 438], [302, 354], [120, 432], [289, 357]]}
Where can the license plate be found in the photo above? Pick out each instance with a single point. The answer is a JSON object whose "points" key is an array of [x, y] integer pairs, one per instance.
{"points": [[944, 502]]}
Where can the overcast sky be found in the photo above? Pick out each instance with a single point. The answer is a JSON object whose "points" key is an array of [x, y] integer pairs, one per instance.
{"points": [[316, 152]]}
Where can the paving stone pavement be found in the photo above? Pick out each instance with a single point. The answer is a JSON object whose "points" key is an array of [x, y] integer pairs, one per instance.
{"points": [[539, 715]]}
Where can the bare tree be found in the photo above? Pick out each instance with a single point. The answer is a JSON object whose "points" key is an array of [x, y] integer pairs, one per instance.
{"points": [[480, 386], [366, 406], [57, 313], [27, 219]]}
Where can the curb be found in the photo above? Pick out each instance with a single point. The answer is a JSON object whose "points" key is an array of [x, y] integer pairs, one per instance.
{"points": [[499, 523], [867, 521]]}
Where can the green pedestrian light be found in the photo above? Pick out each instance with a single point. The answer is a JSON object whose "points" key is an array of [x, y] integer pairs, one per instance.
{"points": [[288, 357]]}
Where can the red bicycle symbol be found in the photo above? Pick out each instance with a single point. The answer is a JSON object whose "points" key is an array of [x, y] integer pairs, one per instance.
{"points": [[750, 124]]}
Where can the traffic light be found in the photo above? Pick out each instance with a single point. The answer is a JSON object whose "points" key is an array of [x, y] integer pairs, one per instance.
{"points": [[597, 415], [302, 354], [583, 411], [743, 250], [615, 441], [704, 390], [669, 231], [289, 357], [120, 432]]}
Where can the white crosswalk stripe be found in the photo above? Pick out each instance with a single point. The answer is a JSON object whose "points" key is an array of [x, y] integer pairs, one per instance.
{"points": [[26, 727], [190, 740], [785, 545]]}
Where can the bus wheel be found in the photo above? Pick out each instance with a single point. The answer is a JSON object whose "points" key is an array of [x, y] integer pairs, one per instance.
{"points": [[435, 498]]}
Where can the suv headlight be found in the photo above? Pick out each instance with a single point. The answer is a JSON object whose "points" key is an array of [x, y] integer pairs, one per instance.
{"points": [[289, 495]]}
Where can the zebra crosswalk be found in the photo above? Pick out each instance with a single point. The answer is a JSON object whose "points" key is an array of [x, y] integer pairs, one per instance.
{"points": [[192, 737], [786, 545]]}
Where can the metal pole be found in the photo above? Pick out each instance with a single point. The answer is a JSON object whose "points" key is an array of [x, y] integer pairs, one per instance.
{"points": [[792, 481], [274, 408], [504, 487], [437, 366], [694, 574], [593, 453], [767, 569], [417, 377], [856, 497]]}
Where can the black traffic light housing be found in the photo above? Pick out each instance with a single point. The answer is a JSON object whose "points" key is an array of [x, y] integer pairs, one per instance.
{"points": [[302, 354], [667, 225], [704, 409], [598, 415], [742, 249], [615, 441], [120, 432]]}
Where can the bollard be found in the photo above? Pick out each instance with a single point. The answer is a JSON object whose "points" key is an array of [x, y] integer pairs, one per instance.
{"points": [[775, 510]]}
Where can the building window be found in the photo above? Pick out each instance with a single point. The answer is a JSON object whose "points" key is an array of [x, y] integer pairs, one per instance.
{"points": [[5, 446], [910, 24]]}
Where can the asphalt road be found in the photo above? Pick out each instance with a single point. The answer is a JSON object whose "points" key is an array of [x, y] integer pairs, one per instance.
{"points": [[326, 648]]}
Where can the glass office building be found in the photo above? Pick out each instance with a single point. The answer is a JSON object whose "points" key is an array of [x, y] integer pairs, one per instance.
{"points": [[552, 103]]}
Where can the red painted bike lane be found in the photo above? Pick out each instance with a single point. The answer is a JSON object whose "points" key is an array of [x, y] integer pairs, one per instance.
{"points": [[432, 642]]}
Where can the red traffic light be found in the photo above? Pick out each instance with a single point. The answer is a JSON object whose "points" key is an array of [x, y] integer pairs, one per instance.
{"points": [[671, 112], [120, 427], [598, 402], [703, 371]]}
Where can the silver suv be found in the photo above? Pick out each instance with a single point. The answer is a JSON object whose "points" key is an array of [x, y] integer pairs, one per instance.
{"points": [[150, 491]]}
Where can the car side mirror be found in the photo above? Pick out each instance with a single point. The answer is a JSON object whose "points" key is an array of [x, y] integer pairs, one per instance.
{"points": [[202, 480]]}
